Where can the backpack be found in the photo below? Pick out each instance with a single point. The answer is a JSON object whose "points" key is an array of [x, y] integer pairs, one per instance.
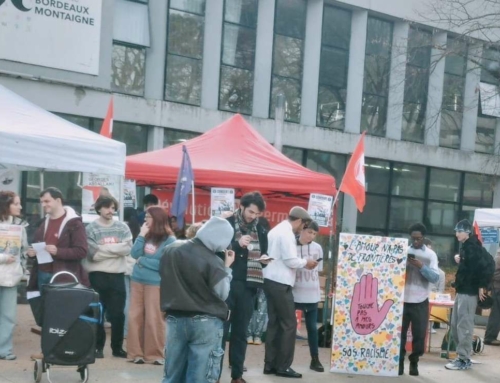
{"points": [[488, 267]]}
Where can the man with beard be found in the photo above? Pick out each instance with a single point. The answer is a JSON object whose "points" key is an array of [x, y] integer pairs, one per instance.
{"points": [[109, 243], [279, 278], [249, 243]]}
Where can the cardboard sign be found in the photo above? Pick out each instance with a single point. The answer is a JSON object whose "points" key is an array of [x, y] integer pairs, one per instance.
{"points": [[369, 304], [221, 200], [489, 235]]}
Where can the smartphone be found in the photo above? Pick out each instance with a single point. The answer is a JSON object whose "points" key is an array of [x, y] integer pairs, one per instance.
{"points": [[411, 256], [319, 260]]}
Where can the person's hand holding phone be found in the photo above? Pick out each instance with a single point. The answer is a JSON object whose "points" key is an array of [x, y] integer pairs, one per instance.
{"points": [[229, 258], [414, 261], [311, 264]]}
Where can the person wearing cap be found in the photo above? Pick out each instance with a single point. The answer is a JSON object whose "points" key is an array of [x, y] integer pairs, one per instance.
{"points": [[194, 286], [467, 285], [493, 327], [306, 291], [279, 278]]}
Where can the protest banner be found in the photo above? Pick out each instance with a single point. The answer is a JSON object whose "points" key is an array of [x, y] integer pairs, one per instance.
{"points": [[221, 199], [320, 207], [93, 186], [369, 304]]}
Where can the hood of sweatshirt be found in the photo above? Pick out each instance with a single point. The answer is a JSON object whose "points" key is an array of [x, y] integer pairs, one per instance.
{"points": [[216, 234]]}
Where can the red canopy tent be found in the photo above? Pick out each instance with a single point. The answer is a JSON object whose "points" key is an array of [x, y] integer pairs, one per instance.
{"points": [[231, 155]]}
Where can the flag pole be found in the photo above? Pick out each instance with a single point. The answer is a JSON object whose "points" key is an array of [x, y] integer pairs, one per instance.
{"points": [[192, 201]]}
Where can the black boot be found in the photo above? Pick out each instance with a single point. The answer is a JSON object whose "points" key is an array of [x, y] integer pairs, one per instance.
{"points": [[316, 364], [401, 366], [414, 368]]}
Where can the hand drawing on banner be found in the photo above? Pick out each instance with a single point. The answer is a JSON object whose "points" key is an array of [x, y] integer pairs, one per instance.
{"points": [[366, 317]]}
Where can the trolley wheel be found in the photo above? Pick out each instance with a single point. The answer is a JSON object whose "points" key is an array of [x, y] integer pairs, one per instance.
{"points": [[84, 373], [38, 371]]}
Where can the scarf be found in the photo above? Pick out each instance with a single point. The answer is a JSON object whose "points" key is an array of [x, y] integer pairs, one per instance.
{"points": [[254, 268]]}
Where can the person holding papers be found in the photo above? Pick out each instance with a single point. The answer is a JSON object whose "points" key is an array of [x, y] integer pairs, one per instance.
{"points": [[11, 271], [65, 240]]}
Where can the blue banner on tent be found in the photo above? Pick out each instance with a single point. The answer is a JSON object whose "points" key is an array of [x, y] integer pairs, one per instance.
{"points": [[489, 234]]}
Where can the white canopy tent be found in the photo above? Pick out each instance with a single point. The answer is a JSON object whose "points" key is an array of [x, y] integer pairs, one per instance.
{"points": [[487, 217], [33, 139]]}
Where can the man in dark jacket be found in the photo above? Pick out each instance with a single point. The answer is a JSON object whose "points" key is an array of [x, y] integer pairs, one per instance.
{"points": [[493, 327], [66, 241], [468, 284], [194, 285], [249, 243]]}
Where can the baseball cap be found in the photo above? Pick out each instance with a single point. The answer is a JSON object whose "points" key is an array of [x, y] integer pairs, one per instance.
{"points": [[300, 212]]}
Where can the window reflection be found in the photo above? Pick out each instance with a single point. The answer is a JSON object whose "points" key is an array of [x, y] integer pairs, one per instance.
{"points": [[128, 69], [376, 76]]}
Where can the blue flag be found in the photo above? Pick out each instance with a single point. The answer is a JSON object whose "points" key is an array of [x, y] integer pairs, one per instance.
{"points": [[182, 188]]}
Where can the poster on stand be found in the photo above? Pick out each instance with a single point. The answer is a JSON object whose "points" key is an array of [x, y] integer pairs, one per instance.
{"points": [[129, 194], [11, 239], [95, 185], [320, 207], [221, 200], [368, 310]]}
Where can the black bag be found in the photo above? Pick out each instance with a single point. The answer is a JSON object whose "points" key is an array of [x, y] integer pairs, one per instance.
{"points": [[487, 269]]}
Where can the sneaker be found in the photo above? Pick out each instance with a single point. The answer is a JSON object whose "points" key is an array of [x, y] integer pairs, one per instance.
{"points": [[433, 331], [257, 341], [138, 360], [8, 357], [159, 362], [250, 340], [99, 354], [459, 364]]}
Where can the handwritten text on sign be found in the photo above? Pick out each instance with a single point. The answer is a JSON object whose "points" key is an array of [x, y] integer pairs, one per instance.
{"points": [[368, 304]]}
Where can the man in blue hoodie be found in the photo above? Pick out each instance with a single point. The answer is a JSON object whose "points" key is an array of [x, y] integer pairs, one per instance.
{"points": [[194, 286]]}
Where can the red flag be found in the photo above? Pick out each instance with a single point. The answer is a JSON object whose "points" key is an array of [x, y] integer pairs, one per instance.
{"points": [[107, 125], [353, 182], [477, 231]]}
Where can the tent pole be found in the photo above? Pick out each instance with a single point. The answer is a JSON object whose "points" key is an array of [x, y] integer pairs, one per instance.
{"points": [[192, 202], [42, 188], [122, 198]]}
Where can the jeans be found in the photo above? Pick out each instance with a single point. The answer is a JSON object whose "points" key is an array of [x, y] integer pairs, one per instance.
{"points": [[258, 323], [416, 314], [8, 307], [493, 327], [193, 349], [111, 289], [311, 313], [43, 279]]}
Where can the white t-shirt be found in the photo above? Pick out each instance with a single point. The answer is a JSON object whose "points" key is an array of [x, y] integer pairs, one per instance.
{"points": [[283, 248], [417, 287], [306, 288]]}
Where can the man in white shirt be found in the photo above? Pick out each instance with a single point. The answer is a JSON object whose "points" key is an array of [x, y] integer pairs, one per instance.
{"points": [[279, 278], [421, 271]]}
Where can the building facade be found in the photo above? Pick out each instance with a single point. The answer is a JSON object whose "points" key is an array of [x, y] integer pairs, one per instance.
{"points": [[180, 67]]}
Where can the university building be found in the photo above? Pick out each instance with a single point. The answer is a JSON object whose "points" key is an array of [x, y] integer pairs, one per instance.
{"points": [[180, 67]]}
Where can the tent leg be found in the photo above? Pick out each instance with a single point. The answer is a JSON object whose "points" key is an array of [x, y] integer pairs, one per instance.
{"points": [[122, 198], [42, 188]]}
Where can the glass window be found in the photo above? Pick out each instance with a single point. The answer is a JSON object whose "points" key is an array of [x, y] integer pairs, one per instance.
{"points": [[404, 213], [485, 134], [441, 217], [134, 136], [374, 214], [294, 154], [325, 162], [376, 76], [451, 129], [288, 51], [413, 122], [478, 190], [183, 80], [489, 66], [173, 137], [444, 185], [377, 175], [456, 56], [408, 180], [333, 67], [193, 6], [128, 69], [186, 24], [238, 56], [84, 122]]}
